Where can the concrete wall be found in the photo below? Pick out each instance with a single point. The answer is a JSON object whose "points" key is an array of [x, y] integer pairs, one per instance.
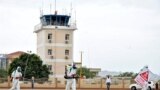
{"points": [[99, 83]]}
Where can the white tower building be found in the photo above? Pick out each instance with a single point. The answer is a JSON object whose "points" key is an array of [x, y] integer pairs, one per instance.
{"points": [[55, 42]]}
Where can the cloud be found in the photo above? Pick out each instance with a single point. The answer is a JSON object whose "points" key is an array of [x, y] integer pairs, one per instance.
{"points": [[17, 29], [121, 32]]}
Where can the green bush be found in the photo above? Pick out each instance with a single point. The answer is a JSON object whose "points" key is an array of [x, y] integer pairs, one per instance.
{"points": [[3, 73]]}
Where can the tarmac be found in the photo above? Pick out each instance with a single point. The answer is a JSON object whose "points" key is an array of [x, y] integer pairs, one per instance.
{"points": [[77, 89], [71, 89], [58, 89]]}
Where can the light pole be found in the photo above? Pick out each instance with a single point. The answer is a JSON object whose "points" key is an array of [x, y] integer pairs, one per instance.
{"points": [[29, 52], [81, 65]]}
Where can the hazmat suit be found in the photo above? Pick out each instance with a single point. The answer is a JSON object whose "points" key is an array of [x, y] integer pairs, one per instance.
{"points": [[16, 75], [70, 76]]}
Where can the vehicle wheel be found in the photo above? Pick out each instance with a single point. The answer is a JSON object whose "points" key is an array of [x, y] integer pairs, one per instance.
{"points": [[149, 88], [133, 88]]}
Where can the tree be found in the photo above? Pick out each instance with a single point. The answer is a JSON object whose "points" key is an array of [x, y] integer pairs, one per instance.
{"points": [[128, 74], [3, 73], [85, 72], [31, 65]]}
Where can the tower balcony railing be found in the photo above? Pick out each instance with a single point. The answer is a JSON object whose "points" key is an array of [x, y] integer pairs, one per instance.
{"points": [[67, 27]]}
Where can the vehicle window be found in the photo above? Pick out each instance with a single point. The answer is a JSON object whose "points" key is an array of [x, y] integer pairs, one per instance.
{"points": [[149, 82]]}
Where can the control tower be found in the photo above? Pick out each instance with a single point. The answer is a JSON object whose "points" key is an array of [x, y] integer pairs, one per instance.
{"points": [[55, 42]]}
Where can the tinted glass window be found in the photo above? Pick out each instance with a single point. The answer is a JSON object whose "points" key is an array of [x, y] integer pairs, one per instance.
{"points": [[149, 82]]}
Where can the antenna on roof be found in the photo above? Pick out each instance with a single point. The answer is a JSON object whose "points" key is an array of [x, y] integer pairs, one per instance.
{"points": [[41, 12], [71, 9], [55, 9], [41, 9], [50, 8], [75, 18], [70, 14]]}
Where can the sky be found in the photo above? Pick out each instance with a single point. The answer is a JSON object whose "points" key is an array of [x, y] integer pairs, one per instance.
{"points": [[114, 35]]}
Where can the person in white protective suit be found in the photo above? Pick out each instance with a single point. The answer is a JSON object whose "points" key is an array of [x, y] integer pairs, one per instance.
{"points": [[16, 75], [70, 76]]}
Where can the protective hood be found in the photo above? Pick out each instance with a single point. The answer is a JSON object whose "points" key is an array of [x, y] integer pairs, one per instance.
{"points": [[18, 69]]}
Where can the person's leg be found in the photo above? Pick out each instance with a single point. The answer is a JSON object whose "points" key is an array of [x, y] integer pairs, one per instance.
{"points": [[13, 85], [73, 84], [17, 85], [32, 85], [68, 85], [108, 86]]}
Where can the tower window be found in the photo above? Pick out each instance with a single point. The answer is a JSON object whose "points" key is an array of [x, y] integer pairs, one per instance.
{"points": [[49, 51], [50, 36], [67, 37], [66, 52], [50, 67]]}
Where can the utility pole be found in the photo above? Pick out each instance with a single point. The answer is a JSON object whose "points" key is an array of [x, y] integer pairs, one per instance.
{"points": [[81, 65], [29, 52], [80, 70]]}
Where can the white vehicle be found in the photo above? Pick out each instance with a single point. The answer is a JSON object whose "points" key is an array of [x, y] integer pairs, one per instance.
{"points": [[151, 86]]}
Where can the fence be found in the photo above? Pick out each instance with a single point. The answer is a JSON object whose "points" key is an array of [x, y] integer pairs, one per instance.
{"points": [[117, 82]]}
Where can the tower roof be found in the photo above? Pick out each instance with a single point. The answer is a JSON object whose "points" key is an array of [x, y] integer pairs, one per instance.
{"points": [[55, 20]]}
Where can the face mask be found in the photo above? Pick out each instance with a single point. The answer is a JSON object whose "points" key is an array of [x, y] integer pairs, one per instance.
{"points": [[74, 66], [19, 69]]}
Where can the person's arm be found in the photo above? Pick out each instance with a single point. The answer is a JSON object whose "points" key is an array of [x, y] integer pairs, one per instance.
{"points": [[106, 81], [110, 80], [12, 76], [20, 75]]}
